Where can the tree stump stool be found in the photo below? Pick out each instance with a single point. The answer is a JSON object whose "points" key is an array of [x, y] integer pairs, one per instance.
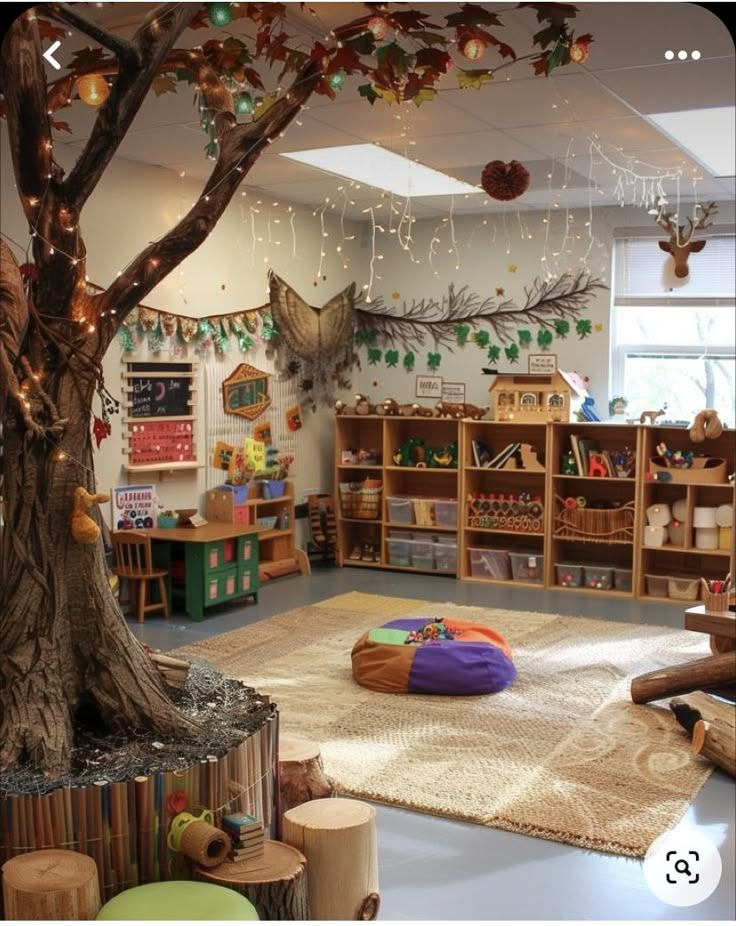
{"points": [[301, 772], [275, 882], [338, 838], [51, 884]]}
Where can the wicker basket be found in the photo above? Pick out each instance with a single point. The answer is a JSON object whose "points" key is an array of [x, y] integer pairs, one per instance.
{"points": [[360, 501], [595, 525]]}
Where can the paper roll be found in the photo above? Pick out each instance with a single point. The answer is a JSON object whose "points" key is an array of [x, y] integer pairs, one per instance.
{"points": [[679, 509], [704, 517], [706, 538], [724, 515], [659, 514], [725, 538]]}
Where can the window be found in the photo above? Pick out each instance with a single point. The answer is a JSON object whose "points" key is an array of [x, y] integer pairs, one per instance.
{"points": [[556, 400], [672, 340]]}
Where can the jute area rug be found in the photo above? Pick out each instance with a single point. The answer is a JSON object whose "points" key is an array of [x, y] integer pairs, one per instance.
{"points": [[563, 754]]}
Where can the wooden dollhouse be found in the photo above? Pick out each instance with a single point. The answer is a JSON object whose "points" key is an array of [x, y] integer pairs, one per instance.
{"points": [[536, 398]]}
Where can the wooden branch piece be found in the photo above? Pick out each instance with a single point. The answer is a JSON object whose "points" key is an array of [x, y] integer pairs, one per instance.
{"points": [[51, 884], [716, 740], [700, 673], [174, 671], [338, 838], [302, 775]]}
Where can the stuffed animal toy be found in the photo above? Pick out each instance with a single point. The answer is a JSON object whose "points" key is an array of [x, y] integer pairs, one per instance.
{"points": [[706, 424], [83, 528]]}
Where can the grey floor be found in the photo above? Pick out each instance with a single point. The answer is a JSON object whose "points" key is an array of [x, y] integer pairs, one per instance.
{"points": [[432, 868]]}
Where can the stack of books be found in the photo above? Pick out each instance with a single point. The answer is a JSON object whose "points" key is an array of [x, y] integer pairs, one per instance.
{"points": [[246, 833]]}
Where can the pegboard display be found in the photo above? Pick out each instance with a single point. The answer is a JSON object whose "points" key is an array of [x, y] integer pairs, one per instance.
{"points": [[161, 442], [160, 401]]}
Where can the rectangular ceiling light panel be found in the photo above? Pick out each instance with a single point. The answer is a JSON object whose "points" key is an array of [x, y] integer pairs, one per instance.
{"points": [[380, 168], [707, 135]]}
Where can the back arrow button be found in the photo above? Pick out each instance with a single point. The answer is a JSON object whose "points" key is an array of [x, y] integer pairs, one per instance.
{"points": [[49, 55]]}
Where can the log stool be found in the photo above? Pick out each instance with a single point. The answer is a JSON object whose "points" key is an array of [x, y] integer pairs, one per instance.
{"points": [[338, 838], [275, 882], [51, 884], [178, 900], [301, 772]]}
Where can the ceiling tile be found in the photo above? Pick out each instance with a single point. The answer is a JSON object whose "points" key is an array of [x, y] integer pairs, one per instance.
{"points": [[385, 123], [555, 140], [468, 148], [675, 85]]}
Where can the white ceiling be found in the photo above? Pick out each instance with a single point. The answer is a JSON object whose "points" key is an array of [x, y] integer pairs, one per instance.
{"points": [[546, 123]]}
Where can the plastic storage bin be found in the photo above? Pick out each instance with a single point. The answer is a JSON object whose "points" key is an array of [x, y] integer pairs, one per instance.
{"points": [[399, 552], [527, 567], [422, 554], [445, 557], [599, 577], [658, 586], [568, 575], [489, 564], [400, 510], [622, 579], [445, 512], [684, 589]]}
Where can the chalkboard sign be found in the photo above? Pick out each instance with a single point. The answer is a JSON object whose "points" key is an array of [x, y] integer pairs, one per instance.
{"points": [[161, 391], [245, 392]]}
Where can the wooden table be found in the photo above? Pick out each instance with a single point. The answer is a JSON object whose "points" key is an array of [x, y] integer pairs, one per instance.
{"points": [[208, 565]]}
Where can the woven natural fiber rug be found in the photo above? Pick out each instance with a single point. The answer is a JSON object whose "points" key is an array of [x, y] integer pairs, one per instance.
{"points": [[563, 754]]}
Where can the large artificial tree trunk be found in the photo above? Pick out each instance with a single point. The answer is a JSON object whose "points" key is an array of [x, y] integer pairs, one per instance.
{"points": [[63, 641]]}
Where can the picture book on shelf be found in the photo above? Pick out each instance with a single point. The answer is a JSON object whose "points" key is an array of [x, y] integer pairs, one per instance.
{"points": [[481, 453], [503, 457]]}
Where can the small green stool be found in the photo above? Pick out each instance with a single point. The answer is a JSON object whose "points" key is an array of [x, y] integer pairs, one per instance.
{"points": [[178, 900]]}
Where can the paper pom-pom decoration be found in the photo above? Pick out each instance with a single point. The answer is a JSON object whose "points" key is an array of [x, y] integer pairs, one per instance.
{"points": [[504, 181]]}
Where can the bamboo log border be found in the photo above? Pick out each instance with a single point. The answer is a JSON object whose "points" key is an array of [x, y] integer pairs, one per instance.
{"points": [[124, 825]]}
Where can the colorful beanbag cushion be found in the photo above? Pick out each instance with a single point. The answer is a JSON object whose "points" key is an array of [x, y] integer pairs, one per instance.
{"points": [[421, 655]]}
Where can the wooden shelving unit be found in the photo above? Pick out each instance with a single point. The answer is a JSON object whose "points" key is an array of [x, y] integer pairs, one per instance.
{"points": [[625, 551]]}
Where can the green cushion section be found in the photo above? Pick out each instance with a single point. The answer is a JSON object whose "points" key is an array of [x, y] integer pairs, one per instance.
{"points": [[387, 635], [178, 900]]}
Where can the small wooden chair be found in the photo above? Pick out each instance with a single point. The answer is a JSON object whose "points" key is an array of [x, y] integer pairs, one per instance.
{"points": [[322, 526], [133, 562]]}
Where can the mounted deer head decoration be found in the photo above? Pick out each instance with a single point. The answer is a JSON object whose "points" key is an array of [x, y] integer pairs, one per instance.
{"points": [[681, 245]]}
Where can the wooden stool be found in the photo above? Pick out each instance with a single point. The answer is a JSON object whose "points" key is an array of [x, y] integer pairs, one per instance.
{"points": [[51, 884], [275, 882], [302, 777], [338, 838], [178, 900]]}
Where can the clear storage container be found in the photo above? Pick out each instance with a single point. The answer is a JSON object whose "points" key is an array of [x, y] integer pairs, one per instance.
{"points": [[445, 512], [599, 577], [489, 564], [400, 510], [657, 586], [445, 557], [622, 579], [399, 552], [568, 575], [422, 554], [527, 567]]}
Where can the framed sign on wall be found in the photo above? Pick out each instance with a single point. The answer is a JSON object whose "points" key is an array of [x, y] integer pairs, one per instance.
{"points": [[543, 363], [428, 387], [245, 392]]}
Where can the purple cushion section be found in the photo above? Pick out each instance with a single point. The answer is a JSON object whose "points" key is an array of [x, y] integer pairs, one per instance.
{"points": [[444, 667]]}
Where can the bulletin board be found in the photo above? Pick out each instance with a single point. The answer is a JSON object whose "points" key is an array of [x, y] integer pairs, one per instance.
{"points": [[160, 402]]}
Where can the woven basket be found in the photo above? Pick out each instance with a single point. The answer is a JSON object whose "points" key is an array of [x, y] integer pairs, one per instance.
{"points": [[595, 525], [359, 501]]}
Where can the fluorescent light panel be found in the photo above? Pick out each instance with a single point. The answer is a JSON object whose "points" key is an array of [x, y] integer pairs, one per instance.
{"points": [[377, 167], [707, 135]]}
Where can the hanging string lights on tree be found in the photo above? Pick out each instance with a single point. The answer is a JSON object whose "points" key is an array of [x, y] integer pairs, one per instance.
{"points": [[219, 14], [378, 27], [244, 104], [93, 89], [472, 46], [579, 50], [337, 80]]}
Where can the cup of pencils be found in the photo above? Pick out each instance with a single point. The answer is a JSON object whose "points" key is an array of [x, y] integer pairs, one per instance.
{"points": [[715, 593]]}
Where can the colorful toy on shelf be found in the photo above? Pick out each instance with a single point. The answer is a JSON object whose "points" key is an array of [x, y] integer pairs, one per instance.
{"points": [[363, 405], [523, 513], [569, 467], [536, 398], [706, 424], [414, 452]]}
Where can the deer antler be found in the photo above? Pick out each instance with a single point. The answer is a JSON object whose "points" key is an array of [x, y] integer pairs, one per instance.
{"points": [[666, 220], [707, 209]]}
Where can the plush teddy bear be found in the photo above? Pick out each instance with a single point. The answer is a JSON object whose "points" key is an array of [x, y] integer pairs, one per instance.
{"points": [[706, 424]]}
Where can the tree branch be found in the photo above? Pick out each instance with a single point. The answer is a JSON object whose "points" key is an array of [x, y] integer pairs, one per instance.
{"points": [[23, 84], [122, 50], [150, 47], [240, 147]]}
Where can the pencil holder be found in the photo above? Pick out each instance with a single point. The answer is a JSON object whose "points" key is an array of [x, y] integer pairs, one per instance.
{"points": [[714, 601]]}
